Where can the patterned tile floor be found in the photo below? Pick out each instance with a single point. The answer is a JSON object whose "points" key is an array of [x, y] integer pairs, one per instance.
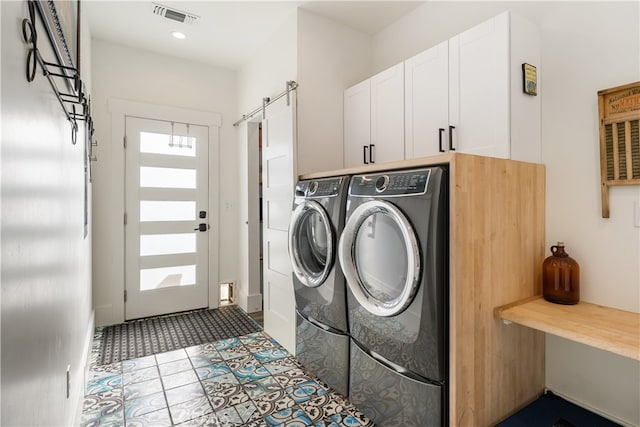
{"points": [[244, 381]]}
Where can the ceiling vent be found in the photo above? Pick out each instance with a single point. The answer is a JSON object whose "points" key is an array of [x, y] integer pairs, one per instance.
{"points": [[174, 14]]}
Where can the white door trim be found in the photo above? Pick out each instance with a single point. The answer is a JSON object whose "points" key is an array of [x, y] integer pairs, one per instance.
{"points": [[119, 108], [249, 292]]}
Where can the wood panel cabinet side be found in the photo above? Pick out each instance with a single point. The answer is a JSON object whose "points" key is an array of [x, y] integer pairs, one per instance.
{"points": [[497, 249]]}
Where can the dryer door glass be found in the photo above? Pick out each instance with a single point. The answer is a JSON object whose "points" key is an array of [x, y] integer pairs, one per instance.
{"points": [[380, 257], [311, 243]]}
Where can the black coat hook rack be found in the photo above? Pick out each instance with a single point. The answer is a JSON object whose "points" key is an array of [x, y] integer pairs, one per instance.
{"points": [[73, 100]]}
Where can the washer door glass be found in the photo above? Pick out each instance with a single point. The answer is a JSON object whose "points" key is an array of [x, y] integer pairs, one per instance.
{"points": [[311, 243], [380, 257]]}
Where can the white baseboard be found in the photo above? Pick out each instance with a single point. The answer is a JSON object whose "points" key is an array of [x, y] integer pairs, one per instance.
{"points": [[254, 303], [214, 295], [79, 386], [606, 415], [103, 315]]}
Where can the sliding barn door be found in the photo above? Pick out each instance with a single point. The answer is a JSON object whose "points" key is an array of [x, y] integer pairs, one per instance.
{"points": [[278, 180]]}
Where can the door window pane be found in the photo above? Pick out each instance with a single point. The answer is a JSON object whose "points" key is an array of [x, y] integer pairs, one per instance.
{"points": [[151, 210], [160, 143], [313, 245], [167, 177], [381, 259], [164, 244], [166, 277]]}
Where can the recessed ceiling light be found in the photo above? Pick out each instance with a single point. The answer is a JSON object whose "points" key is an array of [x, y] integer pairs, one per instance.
{"points": [[178, 35]]}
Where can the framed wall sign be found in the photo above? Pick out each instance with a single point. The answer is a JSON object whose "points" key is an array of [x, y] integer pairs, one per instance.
{"points": [[529, 79]]}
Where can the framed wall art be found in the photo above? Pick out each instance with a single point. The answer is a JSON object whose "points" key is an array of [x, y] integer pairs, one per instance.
{"points": [[529, 79], [619, 124]]}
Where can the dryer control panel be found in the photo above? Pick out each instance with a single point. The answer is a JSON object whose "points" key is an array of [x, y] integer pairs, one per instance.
{"points": [[391, 184]]}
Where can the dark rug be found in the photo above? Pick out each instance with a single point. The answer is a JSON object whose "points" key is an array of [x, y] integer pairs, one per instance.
{"points": [[153, 335]]}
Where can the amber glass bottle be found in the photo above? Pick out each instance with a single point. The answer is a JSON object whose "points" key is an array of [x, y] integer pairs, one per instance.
{"points": [[560, 277]]}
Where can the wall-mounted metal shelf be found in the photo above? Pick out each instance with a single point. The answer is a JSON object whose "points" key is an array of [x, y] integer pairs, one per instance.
{"points": [[64, 80]]}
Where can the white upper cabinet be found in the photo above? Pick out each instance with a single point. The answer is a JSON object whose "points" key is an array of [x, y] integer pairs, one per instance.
{"points": [[466, 93], [357, 124], [374, 119], [387, 115], [426, 80], [491, 113]]}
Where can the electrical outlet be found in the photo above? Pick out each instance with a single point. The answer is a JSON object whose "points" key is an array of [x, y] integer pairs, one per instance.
{"points": [[68, 381]]}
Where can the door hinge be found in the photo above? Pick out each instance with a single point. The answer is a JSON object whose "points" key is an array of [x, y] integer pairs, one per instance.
{"points": [[125, 218], [125, 141], [125, 295]]}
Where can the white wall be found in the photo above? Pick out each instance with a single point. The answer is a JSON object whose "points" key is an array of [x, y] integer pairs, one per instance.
{"points": [[586, 46], [601, 51], [269, 69], [331, 57], [324, 57], [264, 76], [137, 75], [46, 271]]}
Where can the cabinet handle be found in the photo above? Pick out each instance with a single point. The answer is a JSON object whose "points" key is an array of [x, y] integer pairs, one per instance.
{"points": [[451, 128], [440, 130], [371, 153], [364, 154]]}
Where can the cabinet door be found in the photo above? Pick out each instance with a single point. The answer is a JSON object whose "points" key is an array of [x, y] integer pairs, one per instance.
{"points": [[357, 123], [387, 115], [479, 88], [426, 88]]}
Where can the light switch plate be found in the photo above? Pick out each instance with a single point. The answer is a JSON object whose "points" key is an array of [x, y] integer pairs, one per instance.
{"points": [[636, 214]]}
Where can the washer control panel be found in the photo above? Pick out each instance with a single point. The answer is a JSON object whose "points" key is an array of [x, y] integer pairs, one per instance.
{"points": [[319, 188], [390, 184]]}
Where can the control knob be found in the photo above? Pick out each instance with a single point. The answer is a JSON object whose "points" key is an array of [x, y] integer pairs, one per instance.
{"points": [[381, 183], [313, 187]]}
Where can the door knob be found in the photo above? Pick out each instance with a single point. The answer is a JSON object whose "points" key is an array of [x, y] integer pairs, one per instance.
{"points": [[201, 227]]}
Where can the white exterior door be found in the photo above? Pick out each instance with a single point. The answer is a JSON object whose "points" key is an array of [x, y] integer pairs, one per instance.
{"points": [[167, 217], [427, 102], [278, 181]]}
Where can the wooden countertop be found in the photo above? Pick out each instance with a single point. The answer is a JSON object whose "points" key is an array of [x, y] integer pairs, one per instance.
{"points": [[606, 328], [439, 159], [376, 167]]}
